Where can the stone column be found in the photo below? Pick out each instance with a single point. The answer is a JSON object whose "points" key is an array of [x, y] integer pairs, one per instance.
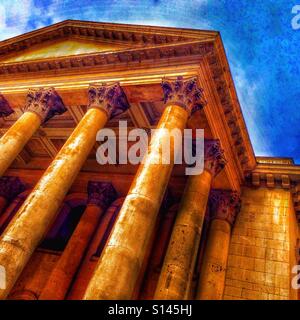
{"points": [[41, 105], [120, 264], [179, 263], [224, 206], [38, 212], [101, 195], [10, 187], [158, 251]]}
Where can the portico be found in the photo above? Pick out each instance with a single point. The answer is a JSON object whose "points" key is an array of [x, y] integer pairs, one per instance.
{"points": [[74, 229]]}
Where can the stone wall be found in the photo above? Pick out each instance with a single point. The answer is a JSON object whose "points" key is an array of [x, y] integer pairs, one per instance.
{"points": [[262, 247]]}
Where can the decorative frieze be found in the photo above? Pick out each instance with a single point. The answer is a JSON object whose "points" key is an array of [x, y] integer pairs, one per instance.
{"points": [[296, 200], [286, 183], [46, 103], [270, 180], [101, 194], [228, 107], [224, 205], [183, 92], [110, 98], [99, 59]]}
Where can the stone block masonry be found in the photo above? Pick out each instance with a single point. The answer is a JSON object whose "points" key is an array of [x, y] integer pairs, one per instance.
{"points": [[262, 247]]}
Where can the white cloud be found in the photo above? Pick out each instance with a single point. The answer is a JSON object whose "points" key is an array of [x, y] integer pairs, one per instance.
{"points": [[16, 15], [2, 17], [17, 11], [248, 93]]}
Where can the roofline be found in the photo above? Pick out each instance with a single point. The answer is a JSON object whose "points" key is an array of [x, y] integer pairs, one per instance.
{"points": [[70, 22], [237, 98]]}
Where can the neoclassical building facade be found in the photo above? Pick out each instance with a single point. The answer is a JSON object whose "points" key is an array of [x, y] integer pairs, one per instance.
{"points": [[71, 228]]}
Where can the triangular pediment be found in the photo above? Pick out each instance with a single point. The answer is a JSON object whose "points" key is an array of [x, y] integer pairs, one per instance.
{"points": [[62, 48], [70, 37]]}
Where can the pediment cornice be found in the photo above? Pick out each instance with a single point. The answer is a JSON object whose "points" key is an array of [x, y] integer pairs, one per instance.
{"points": [[132, 35]]}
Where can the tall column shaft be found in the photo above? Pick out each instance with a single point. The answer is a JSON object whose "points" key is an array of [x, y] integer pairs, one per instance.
{"points": [[180, 259], [120, 264], [118, 269], [34, 218], [176, 276], [16, 137], [62, 275], [213, 271], [94, 251], [163, 234], [225, 206], [60, 278], [37, 213]]}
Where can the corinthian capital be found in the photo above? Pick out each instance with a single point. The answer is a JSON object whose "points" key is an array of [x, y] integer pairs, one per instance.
{"points": [[214, 160], [225, 205], [184, 93], [10, 187], [110, 98], [45, 102], [101, 194], [5, 109]]}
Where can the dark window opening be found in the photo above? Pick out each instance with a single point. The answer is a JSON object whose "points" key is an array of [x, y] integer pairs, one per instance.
{"points": [[59, 242]]}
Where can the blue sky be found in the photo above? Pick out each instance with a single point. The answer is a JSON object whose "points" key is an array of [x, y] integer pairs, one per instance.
{"points": [[262, 48]]}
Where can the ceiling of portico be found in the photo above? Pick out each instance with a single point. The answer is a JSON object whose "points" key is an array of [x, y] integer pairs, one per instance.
{"points": [[49, 139]]}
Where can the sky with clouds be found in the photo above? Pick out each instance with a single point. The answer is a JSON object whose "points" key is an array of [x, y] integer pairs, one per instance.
{"points": [[262, 48]]}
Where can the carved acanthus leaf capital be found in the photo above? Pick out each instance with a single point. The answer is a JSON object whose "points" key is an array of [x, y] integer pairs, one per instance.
{"points": [[101, 194], [183, 92], [45, 102], [10, 187], [110, 98], [5, 109], [224, 205], [214, 159]]}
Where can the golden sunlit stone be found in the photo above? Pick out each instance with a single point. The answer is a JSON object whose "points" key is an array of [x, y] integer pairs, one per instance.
{"points": [[54, 244], [62, 48]]}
